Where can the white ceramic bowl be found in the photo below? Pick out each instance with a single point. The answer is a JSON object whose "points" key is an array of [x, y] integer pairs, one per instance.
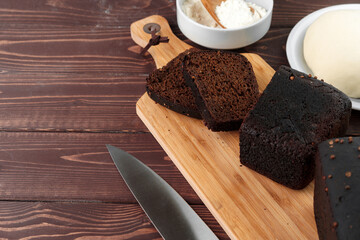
{"points": [[217, 38]]}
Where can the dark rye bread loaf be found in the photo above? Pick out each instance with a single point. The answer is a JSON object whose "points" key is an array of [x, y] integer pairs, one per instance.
{"points": [[167, 87], [224, 87], [294, 114], [337, 189]]}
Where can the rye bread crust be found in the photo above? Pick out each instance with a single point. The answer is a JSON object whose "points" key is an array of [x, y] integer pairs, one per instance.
{"points": [[337, 189], [294, 114]]}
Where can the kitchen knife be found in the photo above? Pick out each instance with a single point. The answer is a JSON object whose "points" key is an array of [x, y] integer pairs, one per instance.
{"points": [[167, 210]]}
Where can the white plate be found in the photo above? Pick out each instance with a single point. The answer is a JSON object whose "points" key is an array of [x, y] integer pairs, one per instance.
{"points": [[294, 44]]}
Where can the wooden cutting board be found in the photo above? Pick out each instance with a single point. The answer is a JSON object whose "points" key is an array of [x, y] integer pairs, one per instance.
{"points": [[246, 204]]}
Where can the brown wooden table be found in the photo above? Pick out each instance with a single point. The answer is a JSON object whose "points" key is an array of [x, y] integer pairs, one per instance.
{"points": [[70, 76]]}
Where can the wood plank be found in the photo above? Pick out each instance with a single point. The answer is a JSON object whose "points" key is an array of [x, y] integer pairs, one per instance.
{"points": [[116, 14], [75, 50], [108, 52], [77, 166], [69, 13], [288, 12], [62, 221], [70, 102]]}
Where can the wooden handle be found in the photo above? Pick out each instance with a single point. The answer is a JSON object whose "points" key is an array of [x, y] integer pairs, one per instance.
{"points": [[163, 52]]}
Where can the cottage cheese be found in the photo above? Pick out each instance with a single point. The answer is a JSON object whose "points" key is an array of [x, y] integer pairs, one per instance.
{"points": [[195, 10], [237, 13]]}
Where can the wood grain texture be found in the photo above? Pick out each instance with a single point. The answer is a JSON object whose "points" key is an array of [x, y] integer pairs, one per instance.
{"points": [[77, 166], [65, 221], [76, 51], [70, 102], [116, 14], [110, 52], [288, 12]]}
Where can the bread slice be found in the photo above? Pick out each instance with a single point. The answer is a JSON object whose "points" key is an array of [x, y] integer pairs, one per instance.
{"points": [[224, 87], [167, 87], [294, 114]]}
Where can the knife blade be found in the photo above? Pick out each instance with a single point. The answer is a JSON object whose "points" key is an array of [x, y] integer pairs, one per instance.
{"points": [[168, 211]]}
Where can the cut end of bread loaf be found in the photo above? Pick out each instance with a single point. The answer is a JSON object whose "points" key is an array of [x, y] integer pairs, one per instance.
{"points": [[224, 86], [167, 87]]}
